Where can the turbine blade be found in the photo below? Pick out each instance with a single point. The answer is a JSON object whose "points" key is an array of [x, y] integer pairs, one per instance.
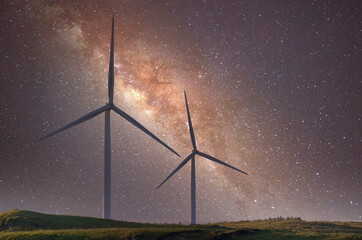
{"points": [[78, 121], [192, 135], [178, 168], [220, 162], [142, 128], [111, 67]]}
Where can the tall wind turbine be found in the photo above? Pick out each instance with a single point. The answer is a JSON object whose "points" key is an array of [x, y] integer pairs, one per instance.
{"points": [[192, 158], [107, 130]]}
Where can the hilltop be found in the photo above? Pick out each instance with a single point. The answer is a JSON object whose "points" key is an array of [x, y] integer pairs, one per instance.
{"points": [[18, 224]]}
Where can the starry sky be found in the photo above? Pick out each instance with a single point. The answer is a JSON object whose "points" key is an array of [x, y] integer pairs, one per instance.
{"points": [[273, 87]]}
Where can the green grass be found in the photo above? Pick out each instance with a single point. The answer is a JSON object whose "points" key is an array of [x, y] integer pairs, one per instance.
{"points": [[17, 224], [298, 226], [18, 220]]}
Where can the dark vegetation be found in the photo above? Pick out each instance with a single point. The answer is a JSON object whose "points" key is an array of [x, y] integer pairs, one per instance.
{"points": [[17, 224]]}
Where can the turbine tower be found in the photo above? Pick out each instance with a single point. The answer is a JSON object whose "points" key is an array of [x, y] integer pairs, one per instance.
{"points": [[107, 130], [192, 158]]}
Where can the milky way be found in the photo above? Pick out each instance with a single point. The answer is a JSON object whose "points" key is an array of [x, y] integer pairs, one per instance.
{"points": [[273, 89]]}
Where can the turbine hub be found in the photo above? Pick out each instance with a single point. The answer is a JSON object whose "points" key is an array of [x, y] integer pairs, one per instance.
{"points": [[110, 105]]}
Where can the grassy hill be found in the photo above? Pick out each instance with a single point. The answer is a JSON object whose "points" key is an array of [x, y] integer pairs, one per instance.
{"points": [[17, 224], [19, 220]]}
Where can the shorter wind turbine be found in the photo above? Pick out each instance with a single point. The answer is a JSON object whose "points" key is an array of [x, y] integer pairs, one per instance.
{"points": [[192, 158]]}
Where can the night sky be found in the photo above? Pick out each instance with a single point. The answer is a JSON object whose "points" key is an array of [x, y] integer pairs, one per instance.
{"points": [[274, 89]]}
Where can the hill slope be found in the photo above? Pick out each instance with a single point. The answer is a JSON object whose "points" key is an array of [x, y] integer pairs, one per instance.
{"points": [[17, 224], [19, 220]]}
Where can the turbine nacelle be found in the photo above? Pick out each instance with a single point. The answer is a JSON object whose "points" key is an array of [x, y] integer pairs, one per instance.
{"points": [[110, 106]]}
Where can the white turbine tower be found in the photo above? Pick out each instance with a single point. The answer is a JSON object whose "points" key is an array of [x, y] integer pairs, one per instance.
{"points": [[107, 130], [192, 158]]}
